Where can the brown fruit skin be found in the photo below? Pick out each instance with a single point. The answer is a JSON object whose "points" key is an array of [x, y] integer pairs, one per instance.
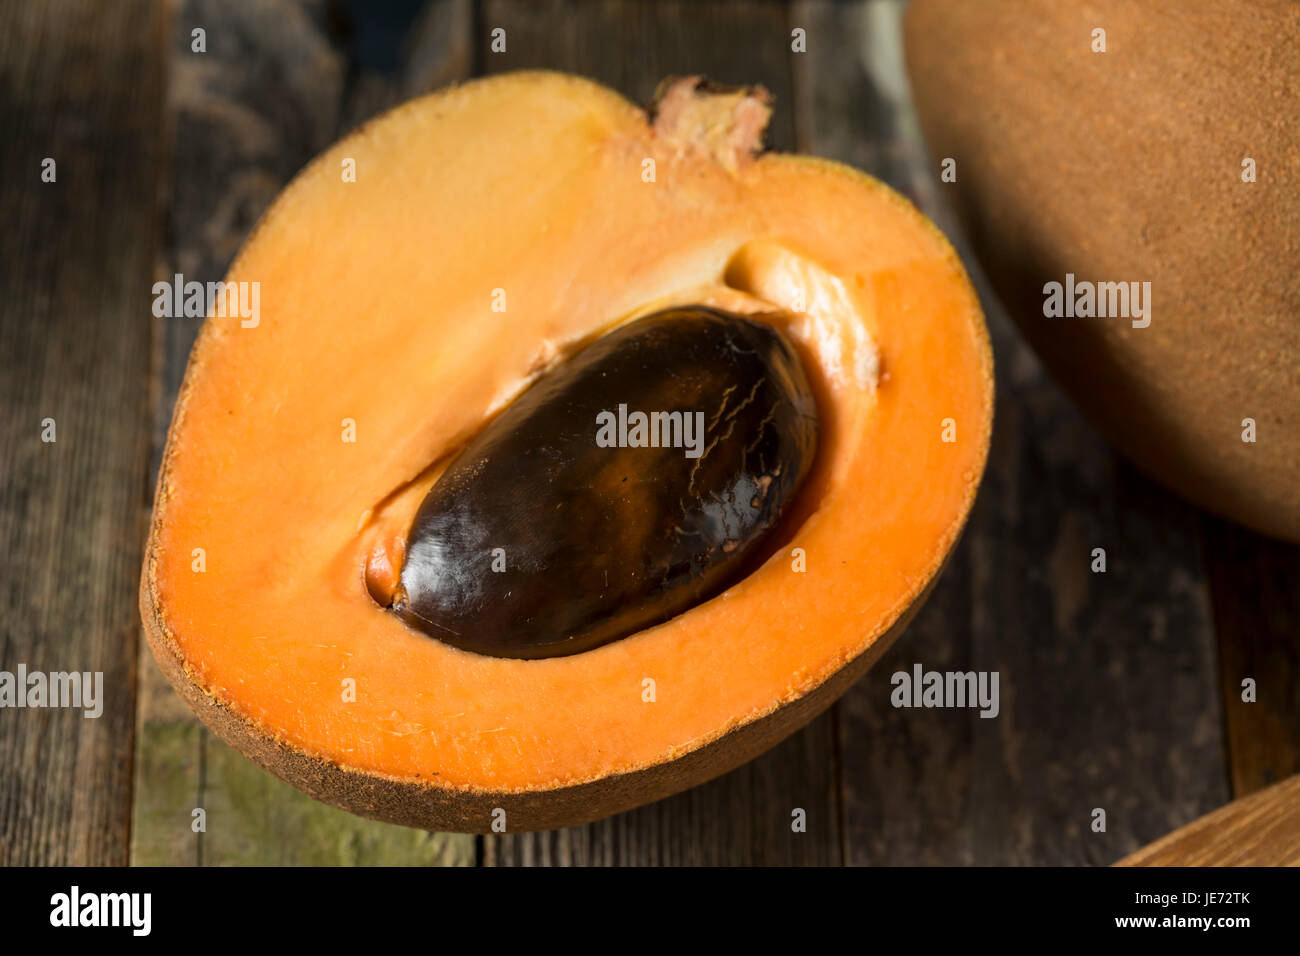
{"points": [[1126, 166]]}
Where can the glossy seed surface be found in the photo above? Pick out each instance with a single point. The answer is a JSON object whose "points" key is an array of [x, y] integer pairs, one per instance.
{"points": [[634, 480]]}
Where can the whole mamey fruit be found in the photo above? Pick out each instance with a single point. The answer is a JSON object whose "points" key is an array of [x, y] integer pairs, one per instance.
{"points": [[1148, 151]]}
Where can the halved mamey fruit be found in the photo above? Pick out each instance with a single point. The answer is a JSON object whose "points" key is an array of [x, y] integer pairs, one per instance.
{"points": [[501, 241]]}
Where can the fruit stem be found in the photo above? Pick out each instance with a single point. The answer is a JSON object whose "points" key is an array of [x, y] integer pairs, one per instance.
{"points": [[690, 113]]}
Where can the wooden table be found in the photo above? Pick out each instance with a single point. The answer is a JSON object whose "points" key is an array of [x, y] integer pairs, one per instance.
{"points": [[1120, 690]]}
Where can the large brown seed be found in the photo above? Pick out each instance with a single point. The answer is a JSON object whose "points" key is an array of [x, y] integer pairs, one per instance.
{"points": [[561, 527]]}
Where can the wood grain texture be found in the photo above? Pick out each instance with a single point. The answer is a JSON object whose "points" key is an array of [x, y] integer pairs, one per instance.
{"points": [[1262, 829], [1255, 583], [1107, 680], [74, 347], [744, 817], [630, 46], [277, 83]]}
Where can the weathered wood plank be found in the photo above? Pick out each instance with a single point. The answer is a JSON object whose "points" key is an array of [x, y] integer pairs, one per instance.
{"points": [[1108, 681], [278, 82], [1262, 829], [1255, 583], [169, 744], [401, 50], [80, 83], [744, 817], [255, 819], [630, 46]]}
